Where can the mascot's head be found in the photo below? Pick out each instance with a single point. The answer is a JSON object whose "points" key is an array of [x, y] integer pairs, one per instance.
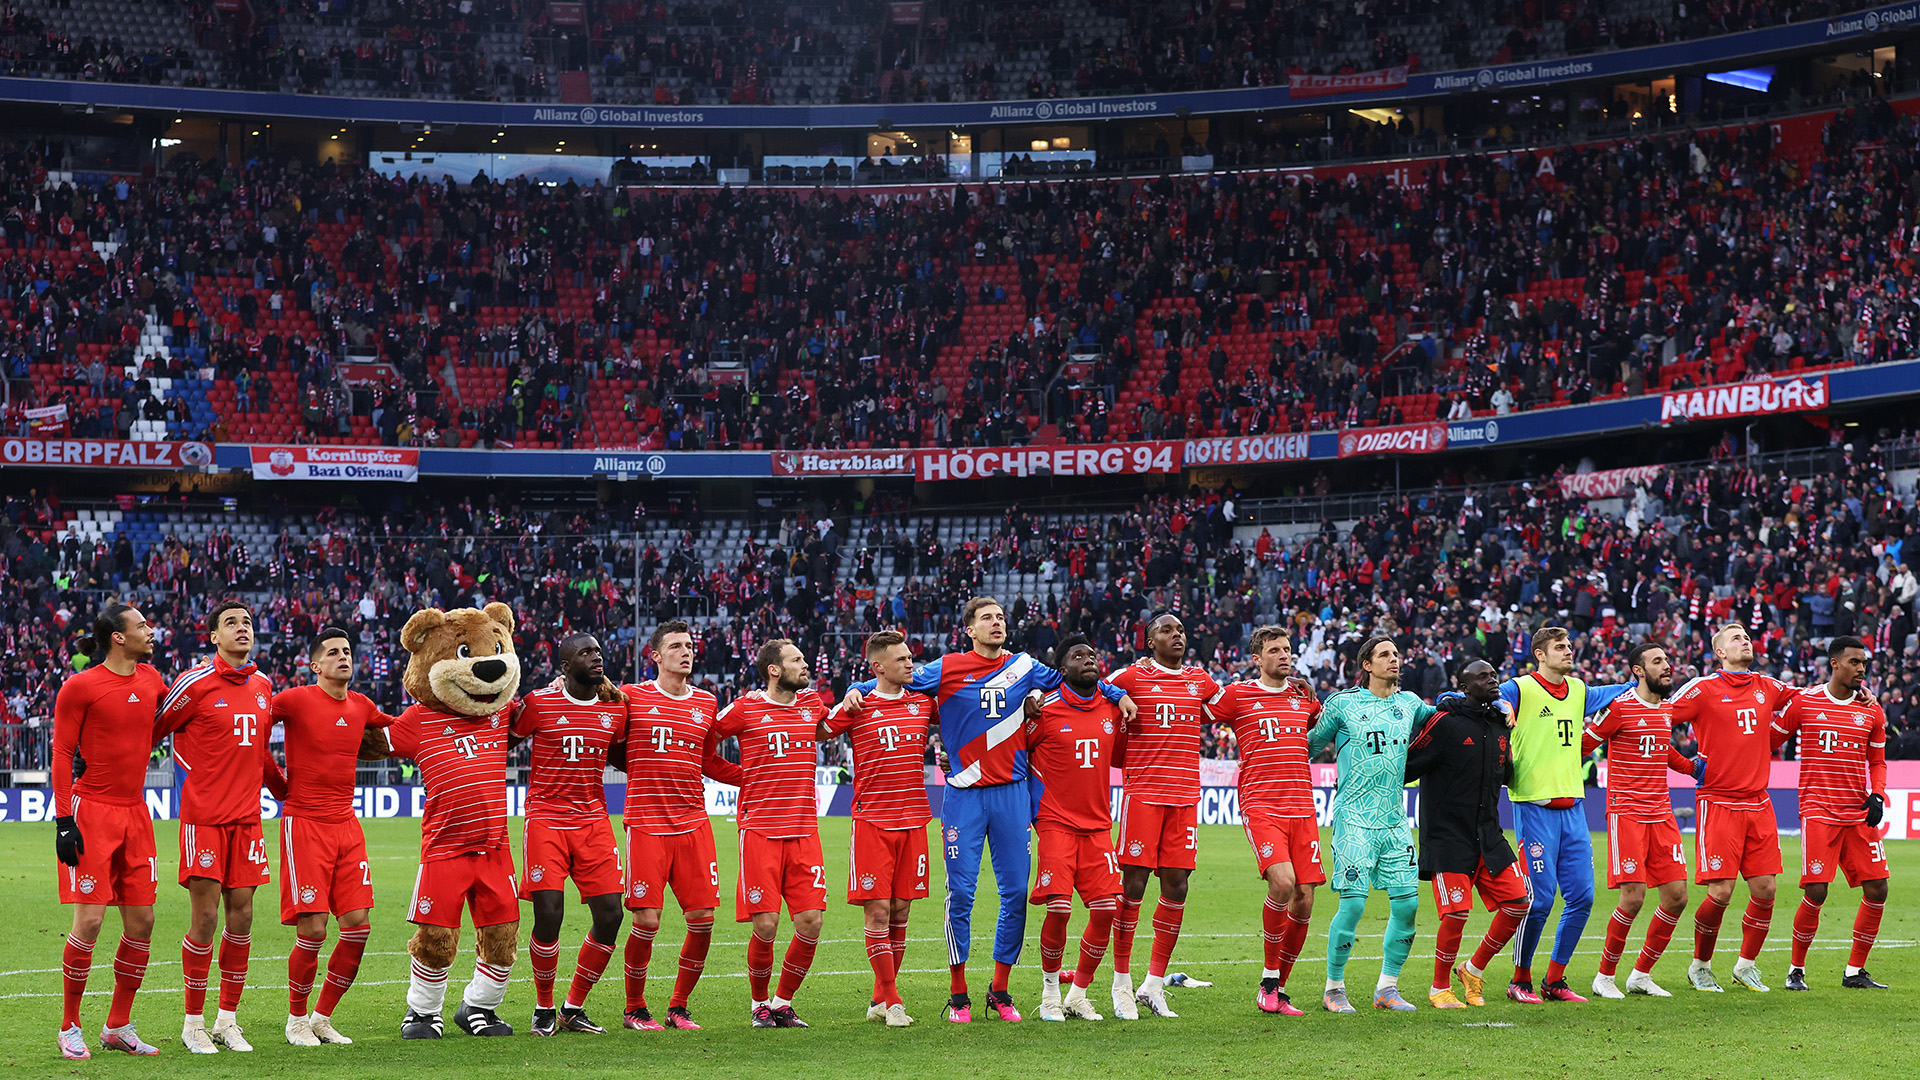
{"points": [[463, 660]]}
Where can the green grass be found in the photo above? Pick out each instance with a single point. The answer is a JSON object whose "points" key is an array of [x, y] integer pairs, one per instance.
{"points": [[1828, 1032]]}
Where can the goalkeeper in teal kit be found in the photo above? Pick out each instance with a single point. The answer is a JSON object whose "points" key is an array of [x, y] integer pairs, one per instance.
{"points": [[1370, 726]]}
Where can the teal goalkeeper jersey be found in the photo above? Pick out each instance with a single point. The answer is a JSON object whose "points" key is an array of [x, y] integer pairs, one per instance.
{"points": [[1370, 734]]}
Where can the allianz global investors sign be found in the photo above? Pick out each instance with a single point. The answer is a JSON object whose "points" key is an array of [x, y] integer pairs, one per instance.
{"points": [[843, 463], [1411, 439], [1746, 399]]}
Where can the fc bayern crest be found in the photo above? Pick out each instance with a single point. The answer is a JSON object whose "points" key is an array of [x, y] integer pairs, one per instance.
{"points": [[1538, 850], [754, 895], [1714, 863], [1816, 866], [1266, 851], [206, 859], [1628, 865], [1135, 847], [1046, 877], [538, 873], [913, 708], [607, 722], [261, 700], [87, 885], [1106, 726], [866, 882], [953, 835], [639, 890], [425, 905], [1456, 895], [307, 894]]}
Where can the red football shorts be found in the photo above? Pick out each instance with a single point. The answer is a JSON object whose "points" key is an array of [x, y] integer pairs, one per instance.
{"points": [[1734, 843], [1074, 861], [323, 868], [1277, 840], [684, 862], [1454, 892], [1648, 852], [233, 855], [483, 882], [587, 854], [121, 865], [1157, 836], [1824, 846], [772, 869], [888, 864]]}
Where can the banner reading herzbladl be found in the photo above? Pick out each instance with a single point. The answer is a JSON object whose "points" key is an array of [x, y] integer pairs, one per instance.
{"points": [[336, 463]]}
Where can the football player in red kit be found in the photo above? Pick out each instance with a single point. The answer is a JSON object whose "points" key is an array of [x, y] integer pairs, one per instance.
{"points": [[1159, 809], [323, 852], [219, 714], [1073, 739], [567, 832], [669, 744], [778, 729], [888, 871], [1270, 717], [1843, 796], [103, 835]]}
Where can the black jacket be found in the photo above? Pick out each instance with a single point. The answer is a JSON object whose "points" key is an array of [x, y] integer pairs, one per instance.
{"points": [[1461, 758]]}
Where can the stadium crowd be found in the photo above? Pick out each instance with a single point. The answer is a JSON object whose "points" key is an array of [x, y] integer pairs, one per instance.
{"points": [[709, 53], [1452, 574], [1230, 304]]}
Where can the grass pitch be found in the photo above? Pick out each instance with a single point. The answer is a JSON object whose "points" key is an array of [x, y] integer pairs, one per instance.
{"points": [[1828, 1032]]}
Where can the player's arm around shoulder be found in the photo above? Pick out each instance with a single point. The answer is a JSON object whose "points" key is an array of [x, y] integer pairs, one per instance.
{"points": [[1333, 717]]}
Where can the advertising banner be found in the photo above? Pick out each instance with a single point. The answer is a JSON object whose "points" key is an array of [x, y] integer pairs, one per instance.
{"points": [[1407, 439]]}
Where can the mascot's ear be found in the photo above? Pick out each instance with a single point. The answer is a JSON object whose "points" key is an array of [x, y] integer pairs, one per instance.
{"points": [[414, 635], [500, 613]]}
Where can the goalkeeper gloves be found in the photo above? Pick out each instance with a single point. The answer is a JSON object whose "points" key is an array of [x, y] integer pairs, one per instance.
{"points": [[1699, 768], [67, 842], [1876, 809]]}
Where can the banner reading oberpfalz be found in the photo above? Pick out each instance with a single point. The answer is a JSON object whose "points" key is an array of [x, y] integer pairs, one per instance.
{"points": [[1359, 82], [105, 453], [1408, 439], [1800, 394], [1111, 459], [335, 463], [842, 463]]}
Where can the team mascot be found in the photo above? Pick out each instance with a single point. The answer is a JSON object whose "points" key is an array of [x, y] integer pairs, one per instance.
{"points": [[463, 672]]}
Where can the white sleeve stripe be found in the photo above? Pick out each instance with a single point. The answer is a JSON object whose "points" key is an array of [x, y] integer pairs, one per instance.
{"points": [[183, 683]]}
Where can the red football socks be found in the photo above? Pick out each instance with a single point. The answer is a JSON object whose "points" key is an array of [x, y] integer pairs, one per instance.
{"points": [[956, 979], [1806, 923], [693, 960], [1866, 927], [759, 967], [129, 970], [1124, 925], [76, 960], [342, 966], [1659, 933], [880, 958], [1753, 927], [799, 959], [1273, 933], [899, 938], [196, 962], [1167, 915], [1706, 927], [233, 968], [1556, 972], [544, 958], [1296, 938], [588, 965], [303, 963], [1616, 944], [639, 953], [1053, 933], [1093, 945], [1001, 974], [1506, 922], [1446, 948]]}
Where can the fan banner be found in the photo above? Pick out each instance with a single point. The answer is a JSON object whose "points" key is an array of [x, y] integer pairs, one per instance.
{"points": [[336, 463]]}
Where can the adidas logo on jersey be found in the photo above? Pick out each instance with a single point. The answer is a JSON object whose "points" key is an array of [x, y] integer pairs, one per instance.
{"points": [[342, 722], [449, 730], [133, 699], [1546, 710]]}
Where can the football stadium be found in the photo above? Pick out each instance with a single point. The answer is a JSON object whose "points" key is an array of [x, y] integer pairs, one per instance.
{"points": [[564, 537]]}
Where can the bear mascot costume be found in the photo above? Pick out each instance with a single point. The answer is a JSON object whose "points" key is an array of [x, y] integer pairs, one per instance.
{"points": [[463, 672]]}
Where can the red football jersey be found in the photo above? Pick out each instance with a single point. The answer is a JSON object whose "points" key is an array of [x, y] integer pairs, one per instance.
{"points": [[1163, 742], [108, 719], [566, 771], [1732, 713], [1070, 748], [219, 717], [1639, 742], [669, 742], [463, 766], [889, 759], [1270, 727], [1843, 754], [778, 745], [323, 749]]}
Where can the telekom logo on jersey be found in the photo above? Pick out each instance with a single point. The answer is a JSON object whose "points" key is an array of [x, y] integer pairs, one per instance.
{"points": [[1748, 719], [244, 725], [1088, 751], [777, 742]]}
